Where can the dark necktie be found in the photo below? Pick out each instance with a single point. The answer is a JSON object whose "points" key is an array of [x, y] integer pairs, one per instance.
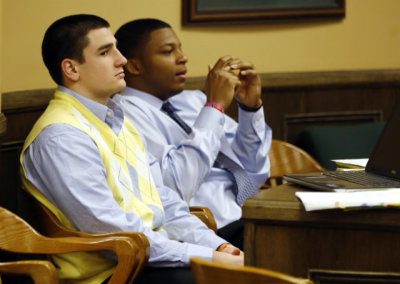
{"points": [[242, 179], [168, 109]]}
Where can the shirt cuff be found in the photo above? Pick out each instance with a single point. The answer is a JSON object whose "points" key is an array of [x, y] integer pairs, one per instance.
{"points": [[198, 251], [251, 122], [212, 119]]}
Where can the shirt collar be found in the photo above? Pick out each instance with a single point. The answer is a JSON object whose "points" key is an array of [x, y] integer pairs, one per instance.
{"points": [[111, 113], [150, 99]]}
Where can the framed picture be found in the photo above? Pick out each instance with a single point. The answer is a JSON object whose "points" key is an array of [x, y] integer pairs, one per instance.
{"points": [[239, 11]]}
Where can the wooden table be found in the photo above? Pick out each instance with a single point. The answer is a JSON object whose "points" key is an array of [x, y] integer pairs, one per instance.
{"points": [[281, 235]]}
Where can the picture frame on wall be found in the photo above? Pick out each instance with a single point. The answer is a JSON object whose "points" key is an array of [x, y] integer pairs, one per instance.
{"points": [[250, 11]]}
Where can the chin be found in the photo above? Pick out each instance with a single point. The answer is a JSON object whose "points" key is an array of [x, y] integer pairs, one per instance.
{"points": [[179, 89], [121, 87], [175, 92]]}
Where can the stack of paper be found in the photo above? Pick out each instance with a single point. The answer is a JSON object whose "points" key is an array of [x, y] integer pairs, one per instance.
{"points": [[330, 200], [352, 163]]}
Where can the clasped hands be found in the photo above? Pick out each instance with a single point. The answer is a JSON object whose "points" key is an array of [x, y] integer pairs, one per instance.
{"points": [[229, 255], [232, 78]]}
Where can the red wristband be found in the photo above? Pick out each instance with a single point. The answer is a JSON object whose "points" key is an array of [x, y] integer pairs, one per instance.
{"points": [[221, 247], [216, 106]]}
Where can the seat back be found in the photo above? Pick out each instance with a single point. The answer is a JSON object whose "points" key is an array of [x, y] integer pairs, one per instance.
{"points": [[288, 158], [207, 272], [340, 141]]}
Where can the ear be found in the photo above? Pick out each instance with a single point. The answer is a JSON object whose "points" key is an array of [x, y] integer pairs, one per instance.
{"points": [[134, 66], [70, 69]]}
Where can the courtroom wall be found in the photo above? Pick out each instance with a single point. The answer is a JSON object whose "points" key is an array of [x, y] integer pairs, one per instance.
{"points": [[367, 38]]}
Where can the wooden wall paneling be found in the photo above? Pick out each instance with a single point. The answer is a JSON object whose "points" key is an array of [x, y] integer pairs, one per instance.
{"points": [[373, 94], [22, 109], [3, 124], [311, 93]]}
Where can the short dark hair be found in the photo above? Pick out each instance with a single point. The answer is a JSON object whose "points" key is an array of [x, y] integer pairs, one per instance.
{"points": [[133, 36], [66, 38]]}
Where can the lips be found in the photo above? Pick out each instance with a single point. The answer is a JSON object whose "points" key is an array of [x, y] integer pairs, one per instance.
{"points": [[182, 74], [120, 74]]}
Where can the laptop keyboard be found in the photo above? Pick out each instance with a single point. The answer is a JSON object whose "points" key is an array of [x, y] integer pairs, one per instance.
{"points": [[364, 178]]}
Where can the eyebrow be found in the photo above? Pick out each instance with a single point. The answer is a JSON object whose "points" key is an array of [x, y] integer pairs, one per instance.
{"points": [[172, 44], [105, 46]]}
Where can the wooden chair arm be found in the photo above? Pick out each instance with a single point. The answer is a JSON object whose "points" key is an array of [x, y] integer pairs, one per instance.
{"points": [[50, 226], [124, 248], [41, 271], [18, 236], [205, 215]]}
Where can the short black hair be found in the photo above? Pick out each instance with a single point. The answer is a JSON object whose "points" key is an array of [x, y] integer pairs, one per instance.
{"points": [[133, 36], [66, 38]]}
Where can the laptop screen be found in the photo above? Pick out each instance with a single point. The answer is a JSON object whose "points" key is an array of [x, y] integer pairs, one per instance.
{"points": [[385, 159]]}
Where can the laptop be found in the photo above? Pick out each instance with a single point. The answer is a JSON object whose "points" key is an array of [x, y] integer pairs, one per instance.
{"points": [[382, 170]]}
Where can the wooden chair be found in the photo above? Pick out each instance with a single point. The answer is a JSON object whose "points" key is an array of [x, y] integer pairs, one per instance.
{"points": [[207, 272], [205, 215], [18, 236], [288, 158], [49, 225], [41, 271]]}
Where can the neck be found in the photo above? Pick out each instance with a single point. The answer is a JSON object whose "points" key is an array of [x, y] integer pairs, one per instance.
{"points": [[99, 98]]}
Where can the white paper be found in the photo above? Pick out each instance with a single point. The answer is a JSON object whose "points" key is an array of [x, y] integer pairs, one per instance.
{"points": [[330, 200], [352, 162]]}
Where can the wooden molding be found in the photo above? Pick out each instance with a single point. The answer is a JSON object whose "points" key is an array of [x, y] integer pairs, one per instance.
{"points": [[26, 99], [269, 81], [330, 78], [3, 124], [296, 80]]}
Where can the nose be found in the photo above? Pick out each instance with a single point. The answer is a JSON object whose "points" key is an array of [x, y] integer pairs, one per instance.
{"points": [[120, 59], [182, 58]]}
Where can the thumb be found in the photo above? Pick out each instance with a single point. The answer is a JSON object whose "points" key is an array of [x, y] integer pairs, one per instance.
{"points": [[232, 250]]}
